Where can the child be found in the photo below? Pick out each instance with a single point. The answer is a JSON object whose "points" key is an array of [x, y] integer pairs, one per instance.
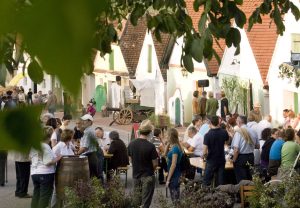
{"points": [[91, 109]]}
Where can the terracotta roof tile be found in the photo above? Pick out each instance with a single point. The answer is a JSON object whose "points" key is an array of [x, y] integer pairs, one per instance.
{"points": [[131, 44], [262, 38], [212, 65], [163, 52]]}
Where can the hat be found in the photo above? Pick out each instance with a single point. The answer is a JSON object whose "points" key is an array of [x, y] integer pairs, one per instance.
{"points": [[146, 125], [87, 117], [257, 105]]}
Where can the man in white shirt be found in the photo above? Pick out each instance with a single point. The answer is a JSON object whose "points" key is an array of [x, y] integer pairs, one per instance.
{"points": [[195, 145], [263, 124], [103, 139], [197, 122]]}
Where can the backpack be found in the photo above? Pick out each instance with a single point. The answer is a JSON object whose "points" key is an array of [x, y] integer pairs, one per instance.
{"points": [[187, 170], [184, 162]]}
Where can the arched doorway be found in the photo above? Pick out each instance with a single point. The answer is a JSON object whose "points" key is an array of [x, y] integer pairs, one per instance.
{"points": [[100, 97], [177, 112]]}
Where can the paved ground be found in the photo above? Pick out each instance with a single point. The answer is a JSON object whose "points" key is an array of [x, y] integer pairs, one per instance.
{"points": [[8, 200]]}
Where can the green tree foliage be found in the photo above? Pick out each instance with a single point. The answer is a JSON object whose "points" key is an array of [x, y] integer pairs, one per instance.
{"points": [[62, 36], [236, 92]]}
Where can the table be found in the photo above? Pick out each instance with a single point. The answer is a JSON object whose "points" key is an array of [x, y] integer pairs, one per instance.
{"points": [[199, 163], [106, 158], [229, 170], [187, 152]]}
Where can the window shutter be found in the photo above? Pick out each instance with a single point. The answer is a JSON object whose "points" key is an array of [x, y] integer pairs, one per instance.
{"points": [[149, 58], [296, 43], [112, 61]]}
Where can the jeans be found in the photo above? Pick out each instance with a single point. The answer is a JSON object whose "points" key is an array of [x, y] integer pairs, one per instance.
{"points": [[43, 189], [3, 161], [162, 163], [22, 174], [143, 191], [210, 169], [51, 109], [100, 156], [93, 158], [242, 167], [174, 188]]}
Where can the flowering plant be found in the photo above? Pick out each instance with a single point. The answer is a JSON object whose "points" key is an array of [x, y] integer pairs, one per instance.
{"points": [[289, 71]]}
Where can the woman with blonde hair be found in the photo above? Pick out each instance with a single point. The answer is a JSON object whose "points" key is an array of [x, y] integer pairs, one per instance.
{"points": [[293, 119], [174, 154]]}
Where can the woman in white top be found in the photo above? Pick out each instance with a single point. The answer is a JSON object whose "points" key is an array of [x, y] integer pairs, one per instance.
{"points": [[55, 137], [42, 171], [64, 147]]}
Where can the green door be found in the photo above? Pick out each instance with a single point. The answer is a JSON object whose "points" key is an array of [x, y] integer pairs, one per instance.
{"points": [[100, 97], [296, 103], [177, 112]]}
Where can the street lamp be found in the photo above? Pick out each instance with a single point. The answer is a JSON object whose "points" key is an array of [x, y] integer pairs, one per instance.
{"points": [[184, 72]]}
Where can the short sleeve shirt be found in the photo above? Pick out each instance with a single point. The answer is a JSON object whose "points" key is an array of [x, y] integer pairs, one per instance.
{"points": [[142, 152], [197, 143], [275, 152], [240, 142], [289, 153], [89, 140], [175, 150], [215, 140], [62, 149]]}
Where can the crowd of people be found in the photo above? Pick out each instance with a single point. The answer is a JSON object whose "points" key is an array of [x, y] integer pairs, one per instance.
{"points": [[60, 140], [247, 142], [17, 96]]}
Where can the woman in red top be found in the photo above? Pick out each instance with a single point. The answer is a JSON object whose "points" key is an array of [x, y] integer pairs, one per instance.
{"points": [[91, 109]]}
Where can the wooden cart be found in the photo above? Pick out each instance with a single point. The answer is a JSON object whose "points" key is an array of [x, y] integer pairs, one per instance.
{"points": [[132, 112]]}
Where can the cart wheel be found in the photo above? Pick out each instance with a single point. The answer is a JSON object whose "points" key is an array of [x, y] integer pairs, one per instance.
{"points": [[116, 117], [125, 116]]}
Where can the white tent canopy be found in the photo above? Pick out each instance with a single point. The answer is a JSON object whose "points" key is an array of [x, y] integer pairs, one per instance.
{"points": [[151, 93]]}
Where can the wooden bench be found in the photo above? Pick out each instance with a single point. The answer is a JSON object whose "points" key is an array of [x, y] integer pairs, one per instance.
{"points": [[123, 170], [245, 192]]}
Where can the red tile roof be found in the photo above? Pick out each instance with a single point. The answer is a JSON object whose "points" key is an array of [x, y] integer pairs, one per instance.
{"points": [[262, 38], [131, 44], [212, 65]]}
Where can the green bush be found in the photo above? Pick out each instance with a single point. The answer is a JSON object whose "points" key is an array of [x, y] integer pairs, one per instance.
{"points": [[196, 195], [92, 194], [282, 194]]}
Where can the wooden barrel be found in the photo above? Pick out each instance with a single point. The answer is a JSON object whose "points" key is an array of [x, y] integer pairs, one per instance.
{"points": [[70, 170]]}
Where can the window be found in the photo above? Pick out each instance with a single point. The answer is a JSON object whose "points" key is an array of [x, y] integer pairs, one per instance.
{"points": [[111, 60], [25, 81], [149, 58], [296, 43], [296, 102], [44, 84]]}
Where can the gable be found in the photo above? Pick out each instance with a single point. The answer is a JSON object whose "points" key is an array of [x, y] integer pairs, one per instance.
{"points": [[211, 65], [131, 44], [262, 38]]}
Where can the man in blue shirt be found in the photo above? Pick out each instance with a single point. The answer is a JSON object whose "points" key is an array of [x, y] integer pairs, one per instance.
{"points": [[275, 155], [244, 142]]}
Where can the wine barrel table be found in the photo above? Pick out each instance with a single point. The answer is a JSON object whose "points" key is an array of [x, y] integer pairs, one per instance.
{"points": [[70, 170]]}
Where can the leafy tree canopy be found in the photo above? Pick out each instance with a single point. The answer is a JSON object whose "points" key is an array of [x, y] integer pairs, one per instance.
{"points": [[62, 36]]}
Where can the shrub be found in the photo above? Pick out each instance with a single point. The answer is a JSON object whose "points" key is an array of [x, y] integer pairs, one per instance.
{"points": [[196, 195], [282, 194], [92, 194]]}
